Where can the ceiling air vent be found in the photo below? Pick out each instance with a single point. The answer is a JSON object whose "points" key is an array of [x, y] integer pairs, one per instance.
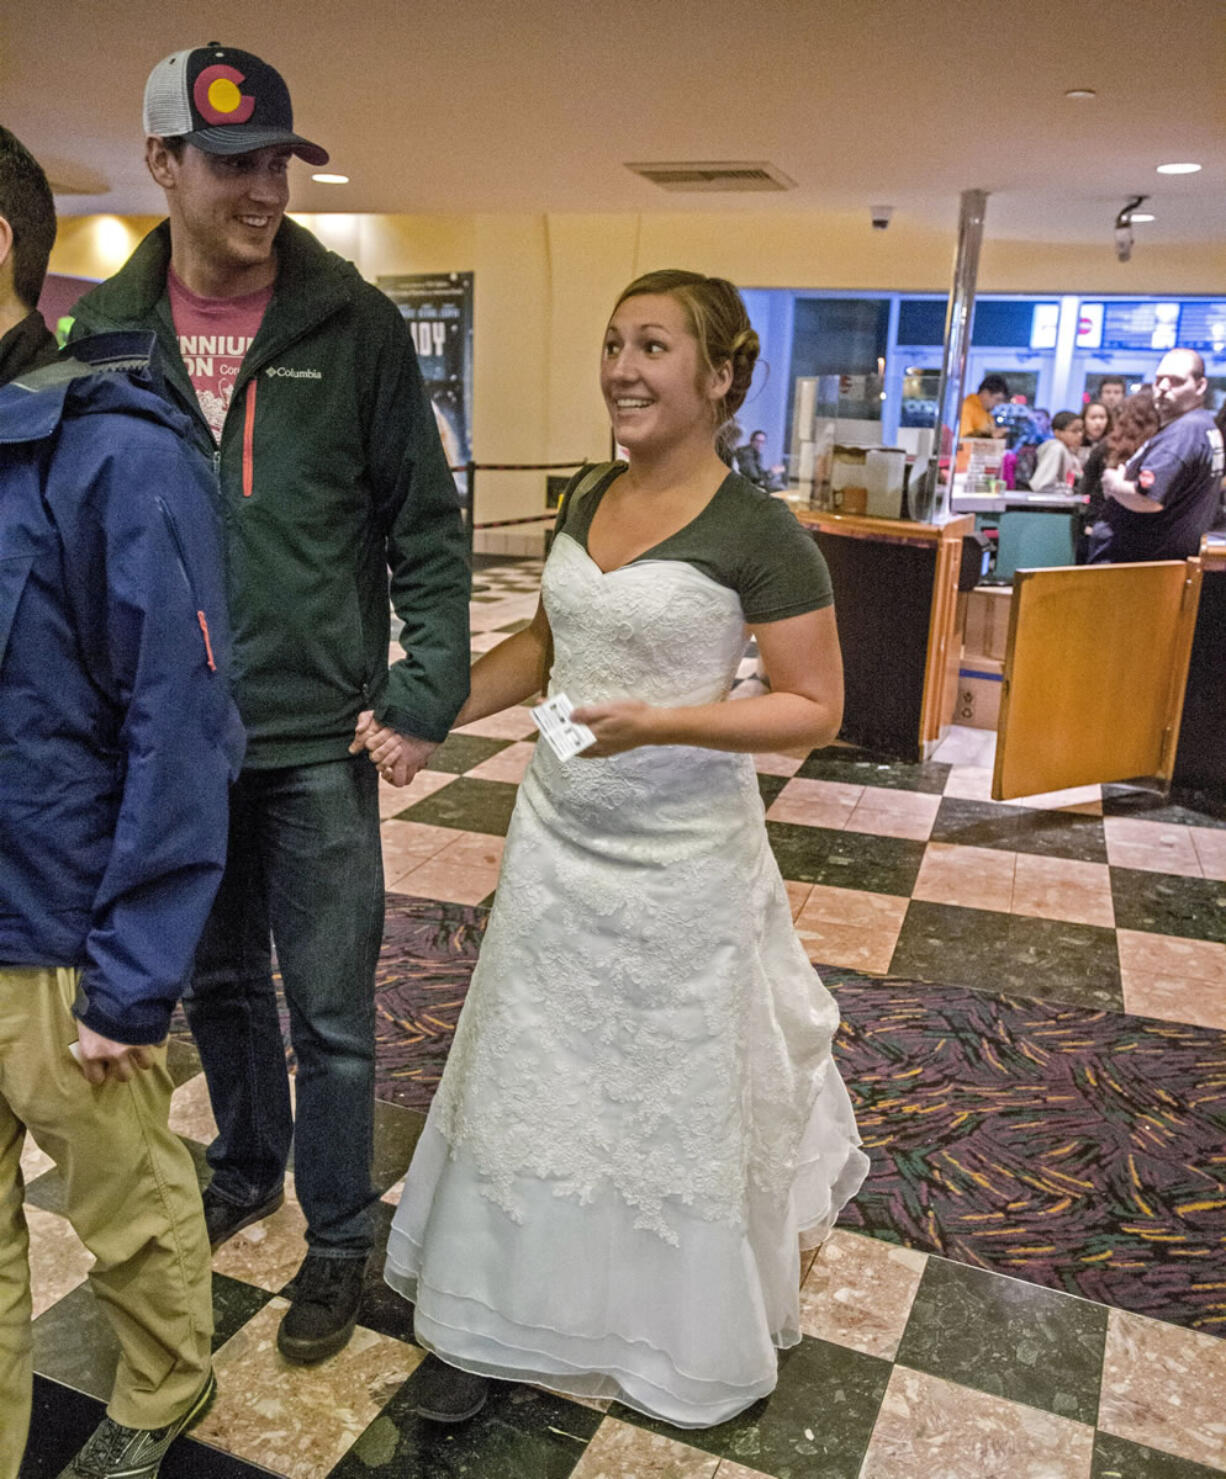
{"points": [[715, 175]]}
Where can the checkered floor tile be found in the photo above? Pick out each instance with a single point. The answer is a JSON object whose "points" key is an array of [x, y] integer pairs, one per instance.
{"points": [[910, 1365]]}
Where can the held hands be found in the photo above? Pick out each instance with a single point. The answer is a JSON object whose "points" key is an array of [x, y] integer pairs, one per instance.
{"points": [[100, 1059], [618, 727], [398, 756]]}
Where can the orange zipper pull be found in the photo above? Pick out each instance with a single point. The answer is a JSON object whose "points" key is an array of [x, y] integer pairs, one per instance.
{"points": [[208, 645]]}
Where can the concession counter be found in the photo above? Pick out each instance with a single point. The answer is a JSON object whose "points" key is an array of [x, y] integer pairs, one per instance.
{"points": [[1200, 761], [896, 597], [1112, 672]]}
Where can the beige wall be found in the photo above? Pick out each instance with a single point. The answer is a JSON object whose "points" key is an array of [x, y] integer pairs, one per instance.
{"points": [[97, 246], [545, 284]]}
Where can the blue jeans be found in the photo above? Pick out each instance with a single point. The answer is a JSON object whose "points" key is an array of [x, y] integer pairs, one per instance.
{"points": [[304, 872]]}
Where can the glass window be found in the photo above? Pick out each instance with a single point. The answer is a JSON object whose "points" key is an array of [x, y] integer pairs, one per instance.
{"points": [[999, 323], [1023, 384], [839, 336], [919, 396], [922, 320], [841, 343], [1003, 323]]}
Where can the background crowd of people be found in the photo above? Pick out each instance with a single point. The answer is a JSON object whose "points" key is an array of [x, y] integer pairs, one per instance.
{"points": [[1121, 453]]}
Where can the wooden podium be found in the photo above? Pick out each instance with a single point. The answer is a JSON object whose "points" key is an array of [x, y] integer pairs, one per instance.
{"points": [[896, 599]]}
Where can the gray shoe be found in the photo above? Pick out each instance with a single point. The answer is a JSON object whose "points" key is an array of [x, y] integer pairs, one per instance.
{"points": [[116, 1452]]}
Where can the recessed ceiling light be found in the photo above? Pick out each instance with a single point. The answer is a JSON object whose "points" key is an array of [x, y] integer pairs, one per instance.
{"points": [[1140, 219], [1179, 169], [336, 179], [1080, 94]]}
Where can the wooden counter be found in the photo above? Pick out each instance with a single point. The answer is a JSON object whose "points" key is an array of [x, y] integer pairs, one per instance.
{"points": [[1200, 761], [895, 594]]}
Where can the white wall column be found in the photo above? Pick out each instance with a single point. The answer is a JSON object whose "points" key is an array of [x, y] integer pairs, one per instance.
{"points": [[1062, 364]]}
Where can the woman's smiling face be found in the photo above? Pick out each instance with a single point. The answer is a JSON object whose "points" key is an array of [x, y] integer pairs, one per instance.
{"points": [[651, 374]]}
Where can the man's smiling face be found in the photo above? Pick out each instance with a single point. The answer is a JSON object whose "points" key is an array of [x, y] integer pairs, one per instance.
{"points": [[226, 208]]}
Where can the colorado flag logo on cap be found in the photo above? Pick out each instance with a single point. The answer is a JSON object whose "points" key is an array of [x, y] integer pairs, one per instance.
{"points": [[217, 96], [223, 101]]}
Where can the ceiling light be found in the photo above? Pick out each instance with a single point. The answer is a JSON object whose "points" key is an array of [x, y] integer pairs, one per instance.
{"points": [[1179, 169], [1140, 219], [330, 179], [1080, 94]]}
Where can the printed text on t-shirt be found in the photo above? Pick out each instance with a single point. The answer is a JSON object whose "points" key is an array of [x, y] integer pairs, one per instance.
{"points": [[214, 336]]}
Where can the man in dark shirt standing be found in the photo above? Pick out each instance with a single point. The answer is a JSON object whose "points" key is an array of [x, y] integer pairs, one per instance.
{"points": [[1160, 504]]}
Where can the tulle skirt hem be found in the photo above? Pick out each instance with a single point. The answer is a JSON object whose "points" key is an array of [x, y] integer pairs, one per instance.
{"points": [[574, 1297]]}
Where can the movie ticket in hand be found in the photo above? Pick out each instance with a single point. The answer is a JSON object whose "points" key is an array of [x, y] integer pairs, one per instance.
{"points": [[565, 738]]}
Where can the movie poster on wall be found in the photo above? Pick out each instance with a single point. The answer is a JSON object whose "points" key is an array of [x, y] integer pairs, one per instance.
{"points": [[438, 308]]}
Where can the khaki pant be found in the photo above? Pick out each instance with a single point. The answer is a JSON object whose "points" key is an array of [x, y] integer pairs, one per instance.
{"points": [[131, 1195]]}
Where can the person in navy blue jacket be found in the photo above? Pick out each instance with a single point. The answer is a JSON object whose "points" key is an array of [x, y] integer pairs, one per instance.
{"points": [[118, 741]]}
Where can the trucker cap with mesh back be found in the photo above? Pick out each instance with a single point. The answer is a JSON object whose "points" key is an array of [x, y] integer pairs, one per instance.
{"points": [[223, 101]]}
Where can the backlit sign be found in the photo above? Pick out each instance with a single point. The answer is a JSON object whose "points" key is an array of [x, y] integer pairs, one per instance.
{"points": [[1090, 326]]}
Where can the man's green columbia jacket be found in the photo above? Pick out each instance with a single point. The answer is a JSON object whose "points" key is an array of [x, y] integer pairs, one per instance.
{"points": [[331, 474]]}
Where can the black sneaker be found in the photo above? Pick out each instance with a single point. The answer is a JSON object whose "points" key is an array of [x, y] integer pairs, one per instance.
{"points": [[445, 1394], [224, 1218], [116, 1452], [326, 1293]]}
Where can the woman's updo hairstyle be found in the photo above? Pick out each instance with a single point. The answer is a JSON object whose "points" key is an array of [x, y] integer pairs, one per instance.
{"points": [[717, 319]]}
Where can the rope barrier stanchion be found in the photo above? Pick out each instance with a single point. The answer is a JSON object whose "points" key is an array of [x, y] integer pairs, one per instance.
{"points": [[544, 518], [470, 470], [521, 466], [470, 480]]}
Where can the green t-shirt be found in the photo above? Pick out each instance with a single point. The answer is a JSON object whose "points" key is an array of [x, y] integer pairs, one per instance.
{"points": [[744, 539]]}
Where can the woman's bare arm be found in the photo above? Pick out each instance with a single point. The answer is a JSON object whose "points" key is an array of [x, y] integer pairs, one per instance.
{"points": [[509, 673]]}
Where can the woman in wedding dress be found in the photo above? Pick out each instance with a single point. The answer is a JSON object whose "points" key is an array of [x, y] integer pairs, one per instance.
{"points": [[640, 1123]]}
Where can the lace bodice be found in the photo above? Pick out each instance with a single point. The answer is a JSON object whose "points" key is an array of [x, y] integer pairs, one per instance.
{"points": [[657, 630]]}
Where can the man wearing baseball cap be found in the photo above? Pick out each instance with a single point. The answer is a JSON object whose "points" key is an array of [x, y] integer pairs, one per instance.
{"points": [[1167, 497], [302, 383]]}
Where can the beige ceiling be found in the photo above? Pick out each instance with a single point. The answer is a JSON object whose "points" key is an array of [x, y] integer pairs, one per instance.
{"points": [[536, 105]]}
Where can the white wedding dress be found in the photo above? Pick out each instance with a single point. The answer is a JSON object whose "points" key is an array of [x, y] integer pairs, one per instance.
{"points": [[639, 1122]]}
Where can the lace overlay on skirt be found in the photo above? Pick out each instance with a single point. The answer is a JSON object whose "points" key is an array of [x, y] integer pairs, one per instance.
{"points": [[639, 1113]]}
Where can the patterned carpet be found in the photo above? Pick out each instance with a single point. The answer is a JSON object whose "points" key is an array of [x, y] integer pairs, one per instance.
{"points": [[429, 951], [1078, 1149]]}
